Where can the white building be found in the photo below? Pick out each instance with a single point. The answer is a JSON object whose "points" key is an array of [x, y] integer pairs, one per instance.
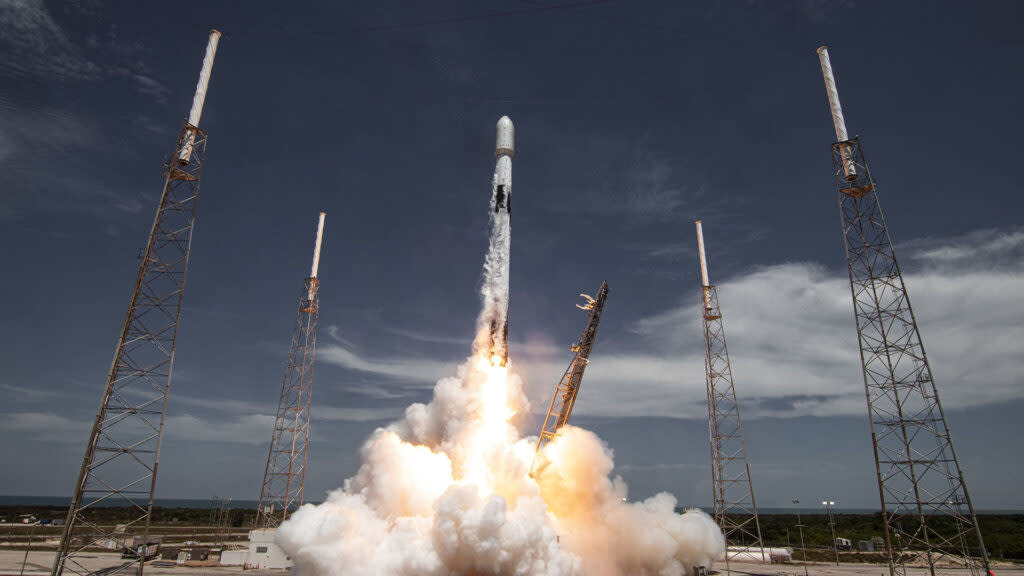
{"points": [[263, 553], [234, 557]]}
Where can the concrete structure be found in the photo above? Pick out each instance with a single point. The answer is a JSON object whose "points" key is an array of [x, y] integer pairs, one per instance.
{"points": [[757, 554], [234, 557], [264, 553]]}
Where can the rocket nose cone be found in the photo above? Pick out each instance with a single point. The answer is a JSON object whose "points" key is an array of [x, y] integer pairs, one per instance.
{"points": [[505, 137]]}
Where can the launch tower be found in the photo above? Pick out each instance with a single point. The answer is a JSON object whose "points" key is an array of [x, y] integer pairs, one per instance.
{"points": [[121, 459], [569, 386], [921, 485], [735, 507], [285, 474]]}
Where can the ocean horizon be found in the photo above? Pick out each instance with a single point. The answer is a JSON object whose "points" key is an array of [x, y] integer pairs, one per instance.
{"points": [[247, 504]]}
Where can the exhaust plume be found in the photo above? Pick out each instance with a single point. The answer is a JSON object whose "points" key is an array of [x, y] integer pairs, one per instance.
{"points": [[446, 489]]}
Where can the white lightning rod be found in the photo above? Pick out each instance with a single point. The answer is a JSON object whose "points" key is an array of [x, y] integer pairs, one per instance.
{"points": [[703, 267], [316, 257], [316, 249], [837, 112], [200, 96], [833, 94]]}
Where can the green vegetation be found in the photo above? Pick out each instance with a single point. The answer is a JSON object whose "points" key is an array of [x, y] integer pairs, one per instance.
{"points": [[1003, 533], [115, 515]]}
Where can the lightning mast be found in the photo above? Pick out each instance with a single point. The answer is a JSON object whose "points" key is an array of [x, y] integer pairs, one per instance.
{"points": [[569, 386], [285, 474], [123, 453], [920, 483], [735, 506]]}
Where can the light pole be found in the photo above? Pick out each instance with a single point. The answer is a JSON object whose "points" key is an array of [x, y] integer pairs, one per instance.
{"points": [[828, 504], [24, 560], [803, 550]]}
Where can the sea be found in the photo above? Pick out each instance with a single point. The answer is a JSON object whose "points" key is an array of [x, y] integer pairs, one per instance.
{"points": [[210, 503], [196, 503]]}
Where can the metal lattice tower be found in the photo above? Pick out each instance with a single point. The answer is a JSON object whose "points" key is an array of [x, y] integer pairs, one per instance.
{"points": [[924, 498], [569, 386], [220, 520], [735, 506], [123, 453], [285, 474]]}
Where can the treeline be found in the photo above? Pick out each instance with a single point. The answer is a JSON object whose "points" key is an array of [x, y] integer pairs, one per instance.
{"points": [[1003, 533], [117, 515]]}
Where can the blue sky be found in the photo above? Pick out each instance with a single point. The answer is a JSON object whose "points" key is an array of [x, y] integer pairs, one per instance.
{"points": [[633, 119]]}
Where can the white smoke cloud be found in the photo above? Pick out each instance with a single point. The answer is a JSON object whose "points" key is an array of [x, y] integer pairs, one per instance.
{"points": [[413, 507]]}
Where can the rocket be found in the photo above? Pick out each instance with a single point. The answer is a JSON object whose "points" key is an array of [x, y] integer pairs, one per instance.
{"points": [[498, 257]]}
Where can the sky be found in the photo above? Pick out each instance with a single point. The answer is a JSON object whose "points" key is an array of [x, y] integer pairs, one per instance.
{"points": [[633, 119]]}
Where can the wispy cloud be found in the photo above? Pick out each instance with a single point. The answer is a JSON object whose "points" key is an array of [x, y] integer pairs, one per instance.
{"points": [[648, 187], [978, 249], [793, 344], [429, 337], [46, 426], [37, 46], [236, 409], [151, 87], [30, 394], [32, 131], [251, 429], [406, 369], [335, 413]]}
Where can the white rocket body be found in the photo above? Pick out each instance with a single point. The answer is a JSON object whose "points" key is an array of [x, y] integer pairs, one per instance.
{"points": [[200, 96], [496, 265]]}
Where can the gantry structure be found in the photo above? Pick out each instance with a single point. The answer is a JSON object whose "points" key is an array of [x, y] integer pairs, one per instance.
{"points": [[569, 386], [927, 511], [284, 477], [735, 505], [220, 520], [123, 453]]}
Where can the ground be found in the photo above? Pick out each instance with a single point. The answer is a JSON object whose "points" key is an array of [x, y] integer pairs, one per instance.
{"points": [[39, 564]]}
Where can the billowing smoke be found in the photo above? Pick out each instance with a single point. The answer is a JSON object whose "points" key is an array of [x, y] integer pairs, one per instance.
{"points": [[446, 490]]}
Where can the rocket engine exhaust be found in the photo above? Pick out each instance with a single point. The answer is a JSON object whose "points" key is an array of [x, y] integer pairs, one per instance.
{"points": [[496, 265]]}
